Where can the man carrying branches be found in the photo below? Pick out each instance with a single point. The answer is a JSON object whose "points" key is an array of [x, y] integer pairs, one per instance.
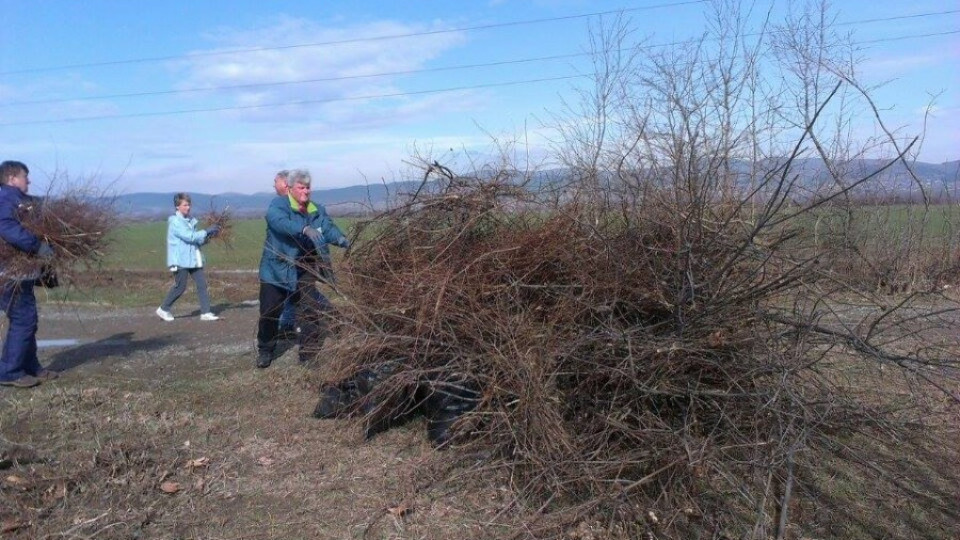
{"points": [[19, 365], [298, 231]]}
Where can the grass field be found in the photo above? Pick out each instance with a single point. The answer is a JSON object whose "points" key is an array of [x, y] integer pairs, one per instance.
{"points": [[142, 246], [134, 272]]}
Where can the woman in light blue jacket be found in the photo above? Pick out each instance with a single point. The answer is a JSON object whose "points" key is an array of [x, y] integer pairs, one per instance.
{"points": [[184, 258]]}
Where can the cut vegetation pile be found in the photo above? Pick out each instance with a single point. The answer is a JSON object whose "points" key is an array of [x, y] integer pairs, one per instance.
{"points": [[668, 366], [75, 226]]}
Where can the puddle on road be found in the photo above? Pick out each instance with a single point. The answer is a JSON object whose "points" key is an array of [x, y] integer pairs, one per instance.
{"points": [[70, 342], [47, 343]]}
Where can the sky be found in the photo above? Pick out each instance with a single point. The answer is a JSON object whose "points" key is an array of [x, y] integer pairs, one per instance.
{"points": [[212, 97]]}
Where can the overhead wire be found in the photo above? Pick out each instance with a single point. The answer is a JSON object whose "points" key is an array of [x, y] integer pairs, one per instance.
{"points": [[405, 72], [352, 40], [269, 84]]}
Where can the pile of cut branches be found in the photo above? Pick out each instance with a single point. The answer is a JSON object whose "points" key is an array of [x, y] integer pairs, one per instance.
{"points": [[629, 361], [75, 226]]}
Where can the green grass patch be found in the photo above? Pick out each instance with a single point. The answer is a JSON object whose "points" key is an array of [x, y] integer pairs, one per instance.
{"points": [[143, 246]]}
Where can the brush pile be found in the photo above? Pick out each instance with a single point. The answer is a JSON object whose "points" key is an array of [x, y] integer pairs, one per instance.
{"points": [[628, 360], [75, 226]]}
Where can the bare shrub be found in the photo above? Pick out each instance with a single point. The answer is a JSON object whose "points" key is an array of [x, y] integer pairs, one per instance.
{"points": [[661, 346]]}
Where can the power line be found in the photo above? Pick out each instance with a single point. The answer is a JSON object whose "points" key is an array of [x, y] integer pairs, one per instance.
{"points": [[352, 40], [442, 68], [287, 103], [370, 97], [901, 38], [298, 81]]}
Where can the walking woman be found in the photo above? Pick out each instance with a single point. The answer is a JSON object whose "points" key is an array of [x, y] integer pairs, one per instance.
{"points": [[184, 258]]}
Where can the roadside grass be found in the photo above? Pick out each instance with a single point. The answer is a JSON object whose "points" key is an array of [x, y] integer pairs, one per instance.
{"points": [[173, 456]]}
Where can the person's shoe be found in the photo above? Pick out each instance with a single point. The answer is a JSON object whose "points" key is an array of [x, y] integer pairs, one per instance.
{"points": [[165, 315], [264, 359], [47, 375], [209, 317], [27, 381]]}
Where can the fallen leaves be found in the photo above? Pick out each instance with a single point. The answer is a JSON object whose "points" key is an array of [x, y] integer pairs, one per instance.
{"points": [[197, 463], [10, 525], [16, 480], [400, 511], [170, 487]]}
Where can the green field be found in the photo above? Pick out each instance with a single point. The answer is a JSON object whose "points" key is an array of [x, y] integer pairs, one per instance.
{"points": [[142, 246], [134, 272]]}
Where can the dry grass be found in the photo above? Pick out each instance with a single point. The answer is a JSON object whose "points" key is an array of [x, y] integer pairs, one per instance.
{"points": [[232, 453], [675, 358]]}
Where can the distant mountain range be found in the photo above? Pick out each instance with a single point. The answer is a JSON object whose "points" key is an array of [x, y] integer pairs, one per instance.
{"points": [[339, 201], [939, 180]]}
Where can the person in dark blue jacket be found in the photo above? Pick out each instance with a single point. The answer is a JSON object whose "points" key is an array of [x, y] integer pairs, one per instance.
{"points": [[19, 365], [298, 234]]}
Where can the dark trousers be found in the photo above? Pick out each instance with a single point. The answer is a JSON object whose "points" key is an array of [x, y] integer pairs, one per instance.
{"points": [[180, 285], [288, 317], [20, 345], [311, 307]]}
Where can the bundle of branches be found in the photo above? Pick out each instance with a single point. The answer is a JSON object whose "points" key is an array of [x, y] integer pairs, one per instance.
{"points": [[628, 358], [224, 220], [76, 226]]}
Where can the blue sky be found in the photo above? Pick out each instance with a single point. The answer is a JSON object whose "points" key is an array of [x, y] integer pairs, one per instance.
{"points": [[67, 69]]}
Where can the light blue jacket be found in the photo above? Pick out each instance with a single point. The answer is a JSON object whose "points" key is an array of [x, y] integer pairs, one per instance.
{"points": [[183, 242]]}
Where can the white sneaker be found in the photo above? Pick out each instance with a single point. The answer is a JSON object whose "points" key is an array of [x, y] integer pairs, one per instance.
{"points": [[165, 315], [209, 317]]}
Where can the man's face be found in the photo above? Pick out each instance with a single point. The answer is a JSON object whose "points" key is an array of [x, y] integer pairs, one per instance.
{"points": [[280, 185], [300, 192], [21, 181]]}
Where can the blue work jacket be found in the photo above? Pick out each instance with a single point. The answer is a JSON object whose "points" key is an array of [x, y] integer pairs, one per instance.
{"points": [[183, 242], [12, 201], [286, 244]]}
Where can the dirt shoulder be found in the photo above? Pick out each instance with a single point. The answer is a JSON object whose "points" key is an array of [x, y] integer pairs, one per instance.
{"points": [[166, 430]]}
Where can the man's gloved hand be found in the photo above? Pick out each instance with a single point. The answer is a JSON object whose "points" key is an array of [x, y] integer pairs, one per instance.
{"points": [[344, 243], [313, 234], [45, 252], [213, 231]]}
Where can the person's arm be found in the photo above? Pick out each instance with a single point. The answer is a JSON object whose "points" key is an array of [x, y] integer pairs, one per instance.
{"points": [[280, 218], [12, 231], [331, 233]]}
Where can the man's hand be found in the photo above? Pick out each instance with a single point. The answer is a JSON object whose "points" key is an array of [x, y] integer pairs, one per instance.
{"points": [[313, 234], [213, 231], [344, 243], [45, 252]]}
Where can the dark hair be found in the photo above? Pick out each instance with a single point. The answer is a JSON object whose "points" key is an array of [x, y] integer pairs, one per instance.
{"points": [[11, 168], [179, 198]]}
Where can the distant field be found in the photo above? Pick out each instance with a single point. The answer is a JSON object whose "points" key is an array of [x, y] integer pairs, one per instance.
{"points": [[142, 246]]}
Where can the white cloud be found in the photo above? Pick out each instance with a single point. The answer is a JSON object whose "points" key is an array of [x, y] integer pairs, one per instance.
{"points": [[334, 67]]}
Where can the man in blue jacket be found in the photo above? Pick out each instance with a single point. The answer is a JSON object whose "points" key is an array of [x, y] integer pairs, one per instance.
{"points": [[19, 365], [298, 234]]}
